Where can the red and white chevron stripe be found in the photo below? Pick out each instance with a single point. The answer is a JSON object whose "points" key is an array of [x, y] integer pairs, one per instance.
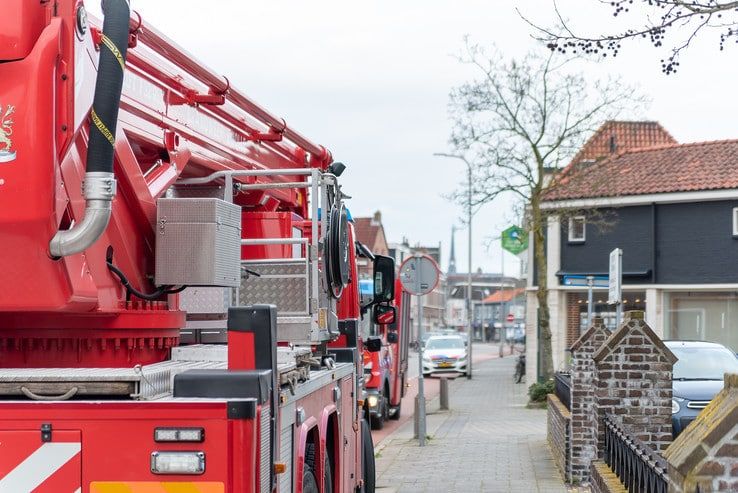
{"points": [[28, 465]]}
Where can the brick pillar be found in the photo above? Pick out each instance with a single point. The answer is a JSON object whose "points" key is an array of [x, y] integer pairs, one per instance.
{"points": [[633, 381], [572, 318], [583, 449]]}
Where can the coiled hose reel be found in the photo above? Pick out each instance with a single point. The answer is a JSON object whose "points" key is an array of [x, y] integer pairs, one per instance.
{"points": [[337, 250]]}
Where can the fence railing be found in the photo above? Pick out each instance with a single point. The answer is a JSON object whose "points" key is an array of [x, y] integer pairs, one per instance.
{"points": [[639, 467], [562, 388]]}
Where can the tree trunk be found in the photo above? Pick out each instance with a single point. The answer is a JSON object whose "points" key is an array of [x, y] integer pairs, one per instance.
{"points": [[544, 317]]}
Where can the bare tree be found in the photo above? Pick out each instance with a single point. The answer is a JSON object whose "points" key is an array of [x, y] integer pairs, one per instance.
{"points": [[518, 124], [668, 24]]}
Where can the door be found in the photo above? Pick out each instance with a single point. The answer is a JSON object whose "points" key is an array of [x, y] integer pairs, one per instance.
{"points": [[28, 464], [688, 324]]}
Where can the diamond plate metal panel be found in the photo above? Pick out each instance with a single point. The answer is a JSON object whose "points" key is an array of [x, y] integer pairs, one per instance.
{"points": [[205, 300], [196, 192], [265, 452], [282, 284], [198, 242], [285, 457]]}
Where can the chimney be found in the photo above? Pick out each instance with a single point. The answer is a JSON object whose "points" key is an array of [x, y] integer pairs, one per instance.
{"points": [[613, 145], [377, 219]]}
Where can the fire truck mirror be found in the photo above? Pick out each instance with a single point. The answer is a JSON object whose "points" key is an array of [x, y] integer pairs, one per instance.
{"points": [[392, 337], [384, 279], [373, 344], [384, 314]]}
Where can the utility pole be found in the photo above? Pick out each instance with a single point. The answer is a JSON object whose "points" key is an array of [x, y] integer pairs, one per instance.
{"points": [[469, 275], [421, 385], [469, 268], [419, 275], [503, 315]]}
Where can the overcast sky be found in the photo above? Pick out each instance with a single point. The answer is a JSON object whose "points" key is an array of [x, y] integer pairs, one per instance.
{"points": [[370, 81]]}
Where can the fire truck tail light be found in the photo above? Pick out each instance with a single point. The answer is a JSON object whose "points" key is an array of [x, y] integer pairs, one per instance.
{"points": [[179, 435], [178, 462]]}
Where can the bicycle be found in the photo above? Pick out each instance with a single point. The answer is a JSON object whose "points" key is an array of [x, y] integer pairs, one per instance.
{"points": [[519, 368]]}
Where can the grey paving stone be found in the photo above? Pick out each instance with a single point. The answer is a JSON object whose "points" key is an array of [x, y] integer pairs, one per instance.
{"points": [[488, 442]]}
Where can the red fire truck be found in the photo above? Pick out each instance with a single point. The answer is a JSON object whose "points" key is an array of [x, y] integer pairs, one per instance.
{"points": [[385, 370], [142, 197]]}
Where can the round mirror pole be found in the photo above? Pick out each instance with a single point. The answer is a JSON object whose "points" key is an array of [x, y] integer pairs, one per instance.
{"points": [[419, 275]]}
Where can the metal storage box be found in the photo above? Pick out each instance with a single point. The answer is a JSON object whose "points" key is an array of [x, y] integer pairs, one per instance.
{"points": [[198, 242]]}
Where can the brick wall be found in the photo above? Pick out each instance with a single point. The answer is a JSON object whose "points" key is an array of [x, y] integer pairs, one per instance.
{"points": [[583, 448], [559, 420], [705, 455], [633, 381], [572, 318]]}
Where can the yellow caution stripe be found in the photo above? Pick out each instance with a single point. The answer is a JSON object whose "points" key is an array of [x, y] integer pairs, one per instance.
{"points": [[114, 50], [102, 128], [155, 487]]}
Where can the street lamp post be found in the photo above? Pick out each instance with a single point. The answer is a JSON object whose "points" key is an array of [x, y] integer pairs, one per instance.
{"points": [[469, 268], [503, 315], [469, 275]]}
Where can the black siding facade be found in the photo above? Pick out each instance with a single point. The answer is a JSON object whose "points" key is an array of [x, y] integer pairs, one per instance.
{"points": [[686, 243]]}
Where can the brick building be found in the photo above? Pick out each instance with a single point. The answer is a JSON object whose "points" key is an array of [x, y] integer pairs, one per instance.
{"points": [[370, 232], [673, 210]]}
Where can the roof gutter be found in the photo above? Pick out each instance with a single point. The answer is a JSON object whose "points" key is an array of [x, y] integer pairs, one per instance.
{"points": [[646, 199]]}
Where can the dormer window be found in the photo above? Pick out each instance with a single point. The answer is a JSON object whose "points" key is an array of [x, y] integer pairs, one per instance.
{"points": [[577, 229]]}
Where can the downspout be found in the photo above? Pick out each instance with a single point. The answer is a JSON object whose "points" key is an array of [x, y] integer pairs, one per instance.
{"points": [[99, 184], [653, 242]]}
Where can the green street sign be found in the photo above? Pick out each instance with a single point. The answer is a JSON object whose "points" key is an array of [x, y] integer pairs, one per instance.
{"points": [[515, 240]]}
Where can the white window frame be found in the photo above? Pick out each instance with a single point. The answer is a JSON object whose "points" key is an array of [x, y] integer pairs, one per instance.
{"points": [[572, 239], [735, 221]]}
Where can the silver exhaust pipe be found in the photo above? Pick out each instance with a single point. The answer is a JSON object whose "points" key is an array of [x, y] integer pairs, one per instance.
{"points": [[99, 190]]}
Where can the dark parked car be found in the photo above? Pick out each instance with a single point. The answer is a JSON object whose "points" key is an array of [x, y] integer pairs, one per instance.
{"points": [[698, 376]]}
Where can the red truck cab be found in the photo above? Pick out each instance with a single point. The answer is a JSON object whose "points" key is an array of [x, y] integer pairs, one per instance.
{"points": [[385, 370]]}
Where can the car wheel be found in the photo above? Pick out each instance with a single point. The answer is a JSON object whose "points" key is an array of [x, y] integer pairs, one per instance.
{"points": [[378, 420], [327, 476], [309, 484], [386, 407], [396, 412], [367, 459]]}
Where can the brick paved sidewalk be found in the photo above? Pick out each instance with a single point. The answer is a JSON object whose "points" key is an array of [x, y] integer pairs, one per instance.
{"points": [[488, 442]]}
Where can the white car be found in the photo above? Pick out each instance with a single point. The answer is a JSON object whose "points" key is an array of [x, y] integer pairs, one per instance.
{"points": [[444, 353]]}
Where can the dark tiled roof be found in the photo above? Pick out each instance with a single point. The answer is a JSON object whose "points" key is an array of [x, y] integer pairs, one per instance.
{"points": [[669, 168]]}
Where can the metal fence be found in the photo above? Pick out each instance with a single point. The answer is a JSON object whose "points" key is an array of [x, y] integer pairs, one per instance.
{"points": [[640, 468], [562, 388]]}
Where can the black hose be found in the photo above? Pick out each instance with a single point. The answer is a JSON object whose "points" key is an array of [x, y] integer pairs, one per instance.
{"points": [[130, 290], [108, 86]]}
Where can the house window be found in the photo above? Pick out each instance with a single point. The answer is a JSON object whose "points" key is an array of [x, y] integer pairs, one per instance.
{"points": [[735, 221], [577, 229]]}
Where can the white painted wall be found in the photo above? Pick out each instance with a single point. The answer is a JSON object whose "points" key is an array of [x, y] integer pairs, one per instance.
{"points": [[655, 310], [531, 339]]}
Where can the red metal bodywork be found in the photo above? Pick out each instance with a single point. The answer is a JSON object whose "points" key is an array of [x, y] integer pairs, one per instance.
{"points": [[72, 311], [117, 439], [178, 119], [400, 362], [389, 365]]}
